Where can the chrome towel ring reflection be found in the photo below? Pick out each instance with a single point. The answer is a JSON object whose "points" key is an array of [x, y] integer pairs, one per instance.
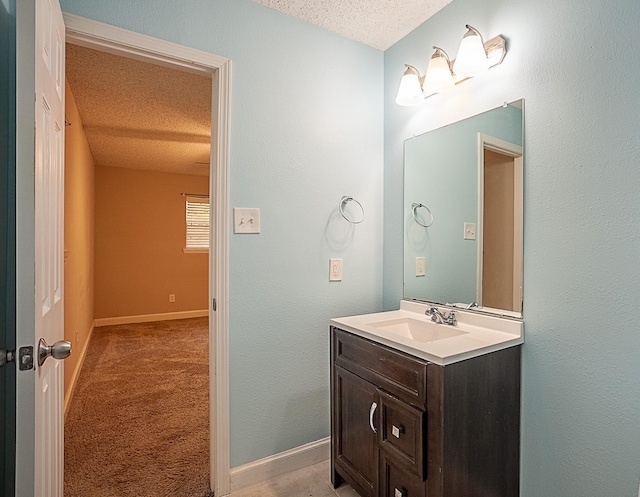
{"points": [[343, 202], [414, 207]]}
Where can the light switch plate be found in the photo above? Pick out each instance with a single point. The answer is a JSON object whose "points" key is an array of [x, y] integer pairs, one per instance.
{"points": [[246, 220], [469, 231]]}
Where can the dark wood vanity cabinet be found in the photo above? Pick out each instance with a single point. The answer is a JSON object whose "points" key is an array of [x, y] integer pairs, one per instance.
{"points": [[403, 427]]}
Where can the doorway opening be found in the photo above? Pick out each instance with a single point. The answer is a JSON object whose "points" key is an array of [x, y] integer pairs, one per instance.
{"points": [[137, 138], [105, 38]]}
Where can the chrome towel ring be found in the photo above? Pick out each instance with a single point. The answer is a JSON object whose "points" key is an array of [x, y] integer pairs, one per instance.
{"points": [[343, 202], [414, 207]]}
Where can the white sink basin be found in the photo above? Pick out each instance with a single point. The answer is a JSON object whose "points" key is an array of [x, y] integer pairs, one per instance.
{"points": [[409, 330], [420, 331]]}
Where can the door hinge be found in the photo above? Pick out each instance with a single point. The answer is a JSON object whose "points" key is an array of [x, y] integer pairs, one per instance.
{"points": [[214, 305], [25, 358]]}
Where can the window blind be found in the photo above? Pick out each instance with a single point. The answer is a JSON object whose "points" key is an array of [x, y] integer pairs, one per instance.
{"points": [[197, 224]]}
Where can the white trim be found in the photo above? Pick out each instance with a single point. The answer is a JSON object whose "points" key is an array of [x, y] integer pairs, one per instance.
{"points": [[480, 221], [518, 231], [194, 251], [96, 35], [150, 318], [487, 142], [106, 38], [270, 467], [71, 388], [219, 181]]}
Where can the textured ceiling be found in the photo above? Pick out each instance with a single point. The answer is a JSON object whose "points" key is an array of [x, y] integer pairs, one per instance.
{"points": [[139, 115], [145, 116], [377, 23]]}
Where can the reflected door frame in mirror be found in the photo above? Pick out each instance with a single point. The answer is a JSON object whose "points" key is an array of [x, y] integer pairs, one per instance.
{"points": [[501, 286]]}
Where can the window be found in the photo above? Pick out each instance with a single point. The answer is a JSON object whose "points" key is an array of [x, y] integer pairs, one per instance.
{"points": [[197, 217]]}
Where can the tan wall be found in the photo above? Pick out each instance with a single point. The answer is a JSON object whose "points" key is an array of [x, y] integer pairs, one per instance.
{"points": [[140, 234], [497, 283], [78, 239]]}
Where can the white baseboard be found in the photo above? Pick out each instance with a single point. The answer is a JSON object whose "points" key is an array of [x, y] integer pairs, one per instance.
{"points": [[269, 467], [149, 318], [68, 394]]}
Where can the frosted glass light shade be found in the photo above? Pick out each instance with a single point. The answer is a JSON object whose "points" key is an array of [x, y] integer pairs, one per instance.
{"points": [[410, 91], [438, 77], [472, 58]]}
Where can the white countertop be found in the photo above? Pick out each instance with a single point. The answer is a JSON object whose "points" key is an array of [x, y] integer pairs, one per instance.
{"points": [[480, 333]]}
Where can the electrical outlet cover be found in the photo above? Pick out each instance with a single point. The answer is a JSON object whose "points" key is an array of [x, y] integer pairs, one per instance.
{"points": [[421, 266], [335, 269]]}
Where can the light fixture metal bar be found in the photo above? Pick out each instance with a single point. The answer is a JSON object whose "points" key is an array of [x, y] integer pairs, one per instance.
{"points": [[496, 49]]}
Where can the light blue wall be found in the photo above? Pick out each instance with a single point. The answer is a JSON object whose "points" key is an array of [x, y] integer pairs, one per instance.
{"points": [[307, 128], [576, 65]]}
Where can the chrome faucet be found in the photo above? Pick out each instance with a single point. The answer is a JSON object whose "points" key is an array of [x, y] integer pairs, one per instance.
{"points": [[438, 317]]}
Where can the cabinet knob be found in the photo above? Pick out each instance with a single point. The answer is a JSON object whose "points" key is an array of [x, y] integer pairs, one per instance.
{"points": [[398, 493], [396, 430]]}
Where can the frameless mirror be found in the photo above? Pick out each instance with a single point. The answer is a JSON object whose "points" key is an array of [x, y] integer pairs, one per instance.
{"points": [[463, 212]]}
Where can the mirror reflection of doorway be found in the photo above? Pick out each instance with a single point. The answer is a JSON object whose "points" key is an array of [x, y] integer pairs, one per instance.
{"points": [[501, 249]]}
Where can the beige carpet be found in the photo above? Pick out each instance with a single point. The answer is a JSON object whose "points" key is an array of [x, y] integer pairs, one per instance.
{"points": [[138, 424]]}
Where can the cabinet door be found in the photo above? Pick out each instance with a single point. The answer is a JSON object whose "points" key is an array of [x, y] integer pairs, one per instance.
{"points": [[355, 452]]}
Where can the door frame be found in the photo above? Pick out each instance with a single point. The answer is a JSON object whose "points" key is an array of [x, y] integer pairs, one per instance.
{"points": [[487, 142], [93, 34]]}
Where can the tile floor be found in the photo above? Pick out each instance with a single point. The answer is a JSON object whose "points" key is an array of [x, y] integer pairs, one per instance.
{"points": [[314, 481]]}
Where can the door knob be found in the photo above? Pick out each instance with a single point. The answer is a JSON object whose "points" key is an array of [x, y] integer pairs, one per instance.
{"points": [[59, 350]]}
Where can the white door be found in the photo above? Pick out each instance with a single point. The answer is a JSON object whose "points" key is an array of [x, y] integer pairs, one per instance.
{"points": [[40, 246]]}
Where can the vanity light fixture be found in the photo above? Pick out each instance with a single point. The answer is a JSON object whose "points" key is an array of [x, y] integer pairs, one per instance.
{"points": [[410, 91], [474, 57], [439, 76]]}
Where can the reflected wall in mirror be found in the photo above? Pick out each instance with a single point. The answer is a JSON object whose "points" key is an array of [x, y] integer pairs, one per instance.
{"points": [[468, 175]]}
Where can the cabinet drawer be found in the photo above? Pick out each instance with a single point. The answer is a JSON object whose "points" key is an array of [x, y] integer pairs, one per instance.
{"points": [[401, 433], [402, 375], [396, 482]]}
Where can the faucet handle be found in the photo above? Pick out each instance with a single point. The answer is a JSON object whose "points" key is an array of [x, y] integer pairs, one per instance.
{"points": [[451, 318], [434, 312]]}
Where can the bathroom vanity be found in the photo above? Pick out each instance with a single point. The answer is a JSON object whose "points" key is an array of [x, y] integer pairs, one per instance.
{"points": [[426, 409]]}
